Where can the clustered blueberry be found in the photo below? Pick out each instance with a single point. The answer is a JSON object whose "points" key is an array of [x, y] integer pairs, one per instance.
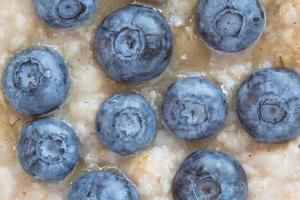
{"points": [[126, 123], [48, 149], [64, 13], [36, 81], [210, 175], [194, 108], [103, 185], [268, 105], [134, 44], [230, 25]]}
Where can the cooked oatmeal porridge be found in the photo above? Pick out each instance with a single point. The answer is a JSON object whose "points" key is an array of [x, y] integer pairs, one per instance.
{"points": [[273, 171]]}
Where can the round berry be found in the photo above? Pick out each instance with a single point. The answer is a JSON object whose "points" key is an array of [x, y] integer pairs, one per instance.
{"points": [[210, 175], [36, 81], [268, 105], [64, 13], [48, 149], [103, 185], [134, 44], [229, 25], [126, 123], [194, 108]]}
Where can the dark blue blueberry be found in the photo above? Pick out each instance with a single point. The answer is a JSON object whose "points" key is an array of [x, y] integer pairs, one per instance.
{"points": [[48, 149], [194, 108], [230, 25], [126, 123], [268, 105], [134, 44], [64, 13], [36, 81], [103, 185], [210, 175]]}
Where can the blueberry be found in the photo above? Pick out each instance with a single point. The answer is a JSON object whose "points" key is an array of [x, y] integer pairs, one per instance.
{"points": [[210, 175], [194, 108], [230, 25], [64, 13], [103, 185], [48, 149], [36, 81], [134, 44], [126, 123], [268, 105]]}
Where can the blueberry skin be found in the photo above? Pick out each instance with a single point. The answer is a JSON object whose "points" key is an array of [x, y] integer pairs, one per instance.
{"points": [[229, 25], [48, 149], [36, 81], [210, 175], [103, 185], [64, 13], [194, 108], [134, 44], [268, 105], [126, 123]]}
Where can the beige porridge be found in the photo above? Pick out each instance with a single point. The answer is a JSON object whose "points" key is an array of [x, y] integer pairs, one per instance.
{"points": [[273, 170]]}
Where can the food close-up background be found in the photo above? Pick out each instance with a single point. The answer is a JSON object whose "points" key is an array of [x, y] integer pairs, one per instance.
{"points": [[273, 170]]}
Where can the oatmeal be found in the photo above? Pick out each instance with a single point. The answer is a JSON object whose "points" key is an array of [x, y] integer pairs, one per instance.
{"points": [[273, 171]]}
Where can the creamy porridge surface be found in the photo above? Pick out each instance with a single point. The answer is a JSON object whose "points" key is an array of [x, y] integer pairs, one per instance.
{"points": [[273, 170]]}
